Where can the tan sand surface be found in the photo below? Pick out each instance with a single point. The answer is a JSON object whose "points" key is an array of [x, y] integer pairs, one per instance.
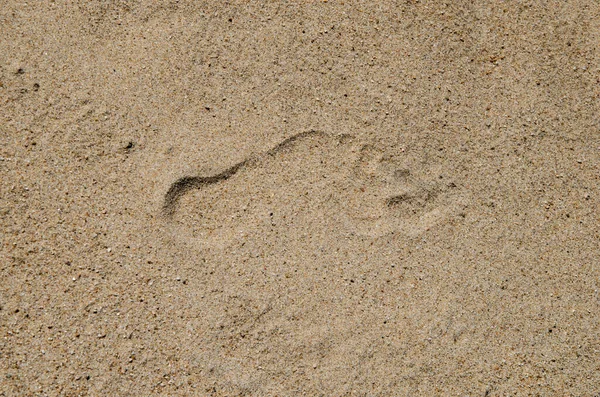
{"points": [[305, 198]]}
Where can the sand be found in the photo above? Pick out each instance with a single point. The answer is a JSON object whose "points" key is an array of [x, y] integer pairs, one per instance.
{"points": [[311, 198]]}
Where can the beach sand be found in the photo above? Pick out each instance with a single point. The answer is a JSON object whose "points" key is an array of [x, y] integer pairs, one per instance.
{"points": [[312, 198]]}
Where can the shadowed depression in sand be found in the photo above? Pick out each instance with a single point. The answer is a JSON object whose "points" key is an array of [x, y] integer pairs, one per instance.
{"points": [[316, 175]]}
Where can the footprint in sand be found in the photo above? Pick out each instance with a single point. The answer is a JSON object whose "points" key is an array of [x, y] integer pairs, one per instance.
{"points": [[311, 177]]}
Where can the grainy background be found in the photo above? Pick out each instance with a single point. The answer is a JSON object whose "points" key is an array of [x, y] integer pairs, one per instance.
{"points": [[481, 278]]}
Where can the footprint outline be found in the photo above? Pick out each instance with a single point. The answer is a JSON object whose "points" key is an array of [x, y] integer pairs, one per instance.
{"points": [[422, 200]]}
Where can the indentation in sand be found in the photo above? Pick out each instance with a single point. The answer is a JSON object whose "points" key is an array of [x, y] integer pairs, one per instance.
{"points": [[311, 179]]}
